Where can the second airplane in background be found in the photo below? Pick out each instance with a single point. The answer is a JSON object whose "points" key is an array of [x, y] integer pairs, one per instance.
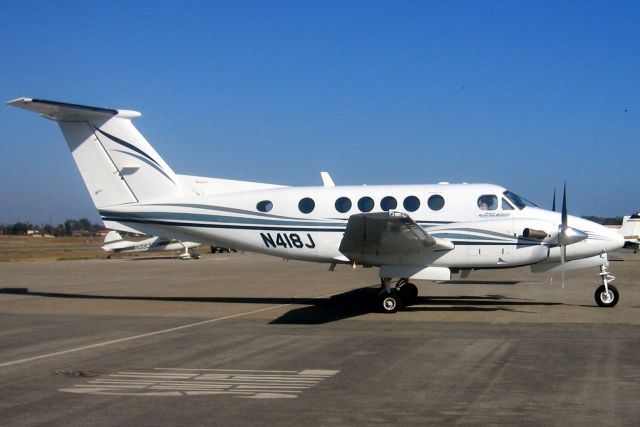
{"points": [[115, 243]]}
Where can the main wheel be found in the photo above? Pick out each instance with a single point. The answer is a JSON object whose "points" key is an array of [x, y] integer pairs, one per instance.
{"points": [[389, 302], [606, 299], [409, 292]]}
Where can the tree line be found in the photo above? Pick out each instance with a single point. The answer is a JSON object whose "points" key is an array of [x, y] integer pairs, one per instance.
{"points": [[71, 227]]}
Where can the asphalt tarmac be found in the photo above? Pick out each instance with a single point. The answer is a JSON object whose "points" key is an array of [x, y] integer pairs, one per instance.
{"points": [[245, 339]]}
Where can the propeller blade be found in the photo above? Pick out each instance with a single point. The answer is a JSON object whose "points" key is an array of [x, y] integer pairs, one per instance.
{"points": [[563, 257], [553, 208], [564, 207], [562, 236]]}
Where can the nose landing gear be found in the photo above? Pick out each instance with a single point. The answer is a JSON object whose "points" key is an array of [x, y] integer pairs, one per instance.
{"points": [[606, 295]]}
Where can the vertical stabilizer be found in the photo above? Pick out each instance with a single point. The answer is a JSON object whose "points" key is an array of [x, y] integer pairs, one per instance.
{"points": [[117, 164]]}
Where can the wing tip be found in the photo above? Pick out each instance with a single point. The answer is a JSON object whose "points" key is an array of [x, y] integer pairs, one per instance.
{"points": [[66, 111], [19, 101]]}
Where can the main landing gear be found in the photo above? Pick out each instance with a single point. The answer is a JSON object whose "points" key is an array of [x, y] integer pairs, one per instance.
{"points": [[391, 300], [606, 295]]}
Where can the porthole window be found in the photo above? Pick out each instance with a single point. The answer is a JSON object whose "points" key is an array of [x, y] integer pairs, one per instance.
{"points": [[365, 204], [343, 204], [435, 202], [388, 203], [411, 203], [264, 206], [306, 205]]}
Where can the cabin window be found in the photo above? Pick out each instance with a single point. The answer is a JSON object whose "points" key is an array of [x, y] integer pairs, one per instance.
{"points": [[365, 204], [264, 206], [388, 203], [306, 205], [343, 204], [411, 203], [488, 202], [435, 202]]}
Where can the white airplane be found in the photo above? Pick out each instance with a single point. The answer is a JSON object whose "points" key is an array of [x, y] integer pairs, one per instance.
{"points": [[630, 230], [114, 242], [410, 232]]}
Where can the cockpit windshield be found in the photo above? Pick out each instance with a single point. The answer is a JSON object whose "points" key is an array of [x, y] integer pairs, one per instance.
{"points": [[520, 202]]}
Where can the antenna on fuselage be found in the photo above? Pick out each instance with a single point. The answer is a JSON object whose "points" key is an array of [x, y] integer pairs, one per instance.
{"points": [[326, 179]]}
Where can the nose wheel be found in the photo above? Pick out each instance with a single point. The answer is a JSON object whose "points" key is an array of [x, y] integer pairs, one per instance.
{"points": [[606, 295]]}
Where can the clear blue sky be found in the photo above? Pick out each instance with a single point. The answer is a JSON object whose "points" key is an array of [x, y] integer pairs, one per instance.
{"points": [[521, 94]]}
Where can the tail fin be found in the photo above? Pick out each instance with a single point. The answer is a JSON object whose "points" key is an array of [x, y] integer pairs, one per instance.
{"points": [[112, 236], [630, 228], [116, 162]]}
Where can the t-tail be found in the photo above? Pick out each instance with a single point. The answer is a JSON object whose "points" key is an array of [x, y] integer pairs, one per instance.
{"points": [[117, 164]]}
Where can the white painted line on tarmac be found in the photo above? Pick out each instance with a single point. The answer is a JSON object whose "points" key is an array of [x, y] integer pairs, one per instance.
{"points": [[164, 331], [260, 386]]}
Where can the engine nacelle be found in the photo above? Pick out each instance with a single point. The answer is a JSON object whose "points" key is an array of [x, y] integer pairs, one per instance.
{"points": [[531, 233]]}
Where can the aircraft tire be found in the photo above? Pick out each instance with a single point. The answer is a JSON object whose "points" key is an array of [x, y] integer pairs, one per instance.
{"points": [[604, 299], [389, 302], [409, 292]]}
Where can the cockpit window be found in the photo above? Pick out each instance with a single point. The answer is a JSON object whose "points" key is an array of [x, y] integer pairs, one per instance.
{"points": [[506, 206], [488, 202], [520, 202]]}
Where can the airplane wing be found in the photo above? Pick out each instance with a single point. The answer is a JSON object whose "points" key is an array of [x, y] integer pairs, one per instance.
{"points": [[383, 238]]}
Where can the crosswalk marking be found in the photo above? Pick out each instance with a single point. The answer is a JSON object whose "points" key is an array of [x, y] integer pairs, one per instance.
{"points": [[254, 384]]}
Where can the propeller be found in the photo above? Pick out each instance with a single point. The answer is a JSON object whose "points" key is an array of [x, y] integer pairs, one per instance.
{"points": [[563, 228], [566, 234], [553, 208]]}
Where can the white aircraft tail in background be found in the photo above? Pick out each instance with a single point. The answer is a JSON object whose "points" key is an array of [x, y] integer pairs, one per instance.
{"points": [[115, 243], [630, 230], [409, 232]]}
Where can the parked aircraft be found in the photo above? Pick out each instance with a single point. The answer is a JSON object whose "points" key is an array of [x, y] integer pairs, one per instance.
{"points": [[115, 243], [409, 232], [630, 230]]}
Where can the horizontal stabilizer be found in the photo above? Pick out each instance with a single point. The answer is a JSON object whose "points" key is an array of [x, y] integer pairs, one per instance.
{"points": [[62, 111]]}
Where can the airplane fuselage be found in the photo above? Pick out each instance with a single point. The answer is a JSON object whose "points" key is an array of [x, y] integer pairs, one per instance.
{"points": [[308, 223]]}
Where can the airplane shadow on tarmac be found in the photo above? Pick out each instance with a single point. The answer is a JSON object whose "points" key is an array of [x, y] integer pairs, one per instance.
{"points": [[361, 301], [341, 306]]}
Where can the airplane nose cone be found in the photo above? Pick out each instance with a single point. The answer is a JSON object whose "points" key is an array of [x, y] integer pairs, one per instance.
{"points": [[572, 235]]}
